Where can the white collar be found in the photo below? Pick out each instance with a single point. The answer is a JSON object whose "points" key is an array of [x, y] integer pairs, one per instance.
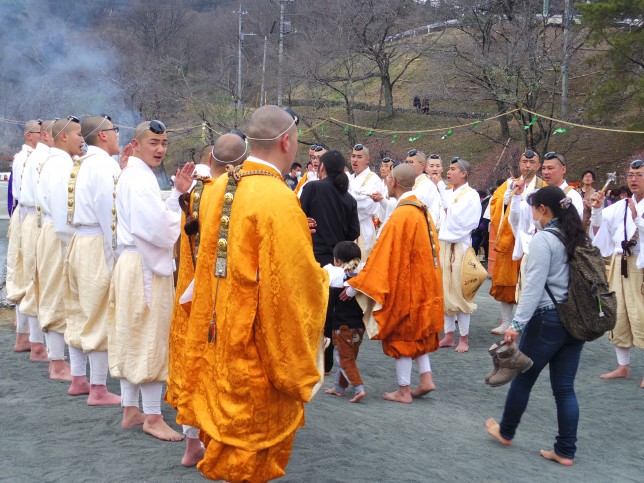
{"points": [[261, 161], [365, 173], [466, 185], [405, 195]]}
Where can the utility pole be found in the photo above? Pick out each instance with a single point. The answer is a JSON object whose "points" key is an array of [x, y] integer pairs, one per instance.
{"points": [[565, 63], [261, 93], [280, 52], [239, 105]]}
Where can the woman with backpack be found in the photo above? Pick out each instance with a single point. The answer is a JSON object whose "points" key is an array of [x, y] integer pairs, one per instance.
{"points": [[545, 340]]}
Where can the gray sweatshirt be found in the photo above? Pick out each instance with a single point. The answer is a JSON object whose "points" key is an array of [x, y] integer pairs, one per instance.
{"points": [[547, 263]]}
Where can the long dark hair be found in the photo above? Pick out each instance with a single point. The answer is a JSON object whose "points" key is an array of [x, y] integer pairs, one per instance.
{"points": [[334, 164], [568, 217]]}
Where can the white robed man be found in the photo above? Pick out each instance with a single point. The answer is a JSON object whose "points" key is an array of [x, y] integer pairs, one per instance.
{"points": [[315, 153], [619, 234], [51, 246], [463, 211], [424, 189], [434, 170], [363, 185], [553, 170], [142, 290], [90, 259], [29, 337]]}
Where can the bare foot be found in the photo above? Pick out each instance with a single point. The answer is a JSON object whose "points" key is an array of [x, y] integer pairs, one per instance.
{"points": [[551, 455], [59, 371], [463, 344], [447, 341], [155, 425], [38, 352], [22, 343], [100, 396], [622, 372], [333, 392], [401, 396], [426, 385], [493, 428], [79, 386], [358, 397], [194, 452], [132, 417]]}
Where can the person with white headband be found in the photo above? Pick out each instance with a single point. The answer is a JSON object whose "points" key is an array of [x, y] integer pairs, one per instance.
{"points": [[463, 211], [214, 160], [142, 287], [90, 258]]}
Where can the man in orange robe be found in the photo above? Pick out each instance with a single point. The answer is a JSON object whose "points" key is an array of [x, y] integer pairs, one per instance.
{"points": [[505, 273], [258, 313], [228, 149], [400, 288]]}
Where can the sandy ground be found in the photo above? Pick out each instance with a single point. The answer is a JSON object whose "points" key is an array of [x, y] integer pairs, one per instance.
{"points": [[49, 436]]}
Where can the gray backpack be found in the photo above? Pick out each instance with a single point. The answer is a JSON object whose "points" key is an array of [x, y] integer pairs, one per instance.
{"points": [[591, 309]]}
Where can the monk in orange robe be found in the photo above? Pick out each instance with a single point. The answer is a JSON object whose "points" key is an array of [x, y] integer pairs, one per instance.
{"points": [[505, 273], [228, 149], [400, 288], [258, 310]]}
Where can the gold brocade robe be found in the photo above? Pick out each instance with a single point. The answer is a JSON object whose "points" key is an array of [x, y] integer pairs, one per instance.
{"points": [[405, 289], [505, 273], [247, 388], [181, 313]]}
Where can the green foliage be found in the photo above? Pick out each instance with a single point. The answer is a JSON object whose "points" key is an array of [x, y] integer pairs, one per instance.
{"points": [[617, 27]]}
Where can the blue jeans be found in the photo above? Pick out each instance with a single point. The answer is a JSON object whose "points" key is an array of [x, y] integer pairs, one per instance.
{"points": [[546, 341]]}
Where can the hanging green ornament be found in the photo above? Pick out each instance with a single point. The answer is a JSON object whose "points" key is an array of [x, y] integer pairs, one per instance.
{"points": [[560, 130], [395, 138], [447, 134], [369, 132], [346, 129], [532, 121], [475, 125]]}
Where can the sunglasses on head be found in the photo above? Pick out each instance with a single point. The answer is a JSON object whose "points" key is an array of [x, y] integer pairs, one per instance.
{"points": [[157, 127], [294, 115], [358, 147], [73, 119], [529, 154], [412, 152], [434, 156], [396, 163], [386, 159], [317, 148], [637, 164], [106, 117], [553, 155]]}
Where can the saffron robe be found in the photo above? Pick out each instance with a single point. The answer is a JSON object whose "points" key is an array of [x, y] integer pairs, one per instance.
{"points": [[179, 344], [404, 308], [505, 273], [247, 388]]}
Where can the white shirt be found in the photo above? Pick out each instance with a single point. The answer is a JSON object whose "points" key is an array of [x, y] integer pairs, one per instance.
{"points": [[360, 186], [30, 175], [427, 192], [94, 195], [17, 168], [51, 193], [462, 216], [144, 221], [576, 198], [611, 229]]}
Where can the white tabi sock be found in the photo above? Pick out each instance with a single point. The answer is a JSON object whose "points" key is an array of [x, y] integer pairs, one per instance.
{"points": [[423, 364], [77, 361], [129, 394], [191, 432], [463, 323], [151, 393], [98, 367], [506, 314], [403, 371], [22, 322], [35, 332], [55, 346], [450, 323], [623, 356]]}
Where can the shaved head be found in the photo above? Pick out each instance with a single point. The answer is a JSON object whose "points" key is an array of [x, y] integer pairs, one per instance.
{"points": [[62, 125], [268, 122], [229, 148], [404, 175], [91, 126], [30, 125]]}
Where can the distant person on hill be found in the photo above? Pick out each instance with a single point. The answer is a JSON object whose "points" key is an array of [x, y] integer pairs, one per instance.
{"points": [[416, 103]]}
